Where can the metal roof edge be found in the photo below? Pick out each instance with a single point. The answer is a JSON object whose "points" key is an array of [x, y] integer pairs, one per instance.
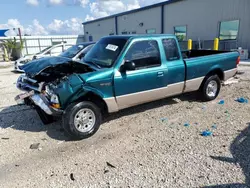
{"points": [[132, 11]]}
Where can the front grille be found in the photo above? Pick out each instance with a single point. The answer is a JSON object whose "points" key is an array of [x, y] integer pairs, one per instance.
{"points": [[27, 84]]}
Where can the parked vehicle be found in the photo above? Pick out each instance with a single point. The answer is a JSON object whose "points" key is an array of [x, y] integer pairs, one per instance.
{"points": [[121, 72], [53, 50], [78, 51]]}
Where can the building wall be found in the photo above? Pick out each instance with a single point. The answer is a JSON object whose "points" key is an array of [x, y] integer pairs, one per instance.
{"points": [[99, 29], [150, 18], [203, 18]]}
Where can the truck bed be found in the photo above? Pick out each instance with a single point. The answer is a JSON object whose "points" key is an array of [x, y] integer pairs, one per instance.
{"points": [[198, 53], [199, 63]]}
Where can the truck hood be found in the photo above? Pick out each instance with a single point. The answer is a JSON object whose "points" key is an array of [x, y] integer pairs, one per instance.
{"points": [[51, 65]]}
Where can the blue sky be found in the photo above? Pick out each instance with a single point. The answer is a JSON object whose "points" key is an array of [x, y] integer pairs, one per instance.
{"points": [[44, 17]]}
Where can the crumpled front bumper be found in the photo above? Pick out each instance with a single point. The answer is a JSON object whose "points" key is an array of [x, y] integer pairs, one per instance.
{"points": [[42, 102], [33, 95]]}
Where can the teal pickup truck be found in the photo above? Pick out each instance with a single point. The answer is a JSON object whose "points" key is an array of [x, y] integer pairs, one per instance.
{"points": [[117, 73]]}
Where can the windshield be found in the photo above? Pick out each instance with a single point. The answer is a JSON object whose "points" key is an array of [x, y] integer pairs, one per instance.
{"points": [[44, 50], [105, 52], [72, 51], [85, 51]]}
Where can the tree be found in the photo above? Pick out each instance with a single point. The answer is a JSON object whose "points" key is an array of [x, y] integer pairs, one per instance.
{"points": [[12, 44]]}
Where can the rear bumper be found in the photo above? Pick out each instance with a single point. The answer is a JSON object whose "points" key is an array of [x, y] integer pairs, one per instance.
{"points": [[42, 102], [230, 73]]}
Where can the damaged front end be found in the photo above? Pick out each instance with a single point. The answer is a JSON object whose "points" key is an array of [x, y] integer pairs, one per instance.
{"points": [[49, 87]]}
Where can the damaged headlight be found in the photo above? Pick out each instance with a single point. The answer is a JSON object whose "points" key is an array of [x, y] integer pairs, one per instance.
{"points": [[48, 90], [54, 99]]}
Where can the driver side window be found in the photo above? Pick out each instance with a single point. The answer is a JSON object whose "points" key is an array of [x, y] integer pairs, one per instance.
{"points": [[145, 54]]}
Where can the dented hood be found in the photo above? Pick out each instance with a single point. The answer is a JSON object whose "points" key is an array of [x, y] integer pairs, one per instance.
{"points": [[35, 67]]}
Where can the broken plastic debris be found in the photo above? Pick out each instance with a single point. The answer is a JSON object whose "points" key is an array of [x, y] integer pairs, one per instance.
{"points": [[214, 126], [34, 146], [206, 133], [221, 102], [230, 81], [110, 165], [72, 177], [5, 138], [164, 119], [186, 124], [204, 107], [242, 100]]}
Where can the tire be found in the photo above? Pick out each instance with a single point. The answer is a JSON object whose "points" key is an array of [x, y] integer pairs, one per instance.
{"points": [[82, 120], [45, 118], [210, 88]]}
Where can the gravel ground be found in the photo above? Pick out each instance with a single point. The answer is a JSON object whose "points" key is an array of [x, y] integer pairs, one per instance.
{"points": [[133, 148]]}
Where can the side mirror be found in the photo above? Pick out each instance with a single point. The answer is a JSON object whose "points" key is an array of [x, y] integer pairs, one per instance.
{"points": [[128, 65]]}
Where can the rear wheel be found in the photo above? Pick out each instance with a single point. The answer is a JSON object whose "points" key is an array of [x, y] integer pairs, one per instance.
{"points": [[211, 88], [82, 120]]}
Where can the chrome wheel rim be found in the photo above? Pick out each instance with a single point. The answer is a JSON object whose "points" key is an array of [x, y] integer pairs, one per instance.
{"points": [[84, 120], [212, 88]]}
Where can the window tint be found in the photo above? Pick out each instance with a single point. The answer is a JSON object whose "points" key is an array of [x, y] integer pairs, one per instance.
{"points": [[229, 30], [144, 54], [181, 32], [171, 49]]}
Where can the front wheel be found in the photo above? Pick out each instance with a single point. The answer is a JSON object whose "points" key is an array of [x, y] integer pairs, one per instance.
{"points": [[211, 88], [82, 120]]}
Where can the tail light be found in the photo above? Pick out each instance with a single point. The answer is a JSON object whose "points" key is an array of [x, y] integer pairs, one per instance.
{"points": [[238, 61]]}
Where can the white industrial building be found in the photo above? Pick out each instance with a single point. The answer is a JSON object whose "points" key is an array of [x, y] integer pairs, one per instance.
{"points": [[199, 20]]}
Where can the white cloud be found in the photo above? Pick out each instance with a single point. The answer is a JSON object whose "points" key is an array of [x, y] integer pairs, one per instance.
{"points": [[35, 29], [32, 2], [55, 2], [12, 25], [83, 3], [102, 8], [72, 26], [88, 17]]}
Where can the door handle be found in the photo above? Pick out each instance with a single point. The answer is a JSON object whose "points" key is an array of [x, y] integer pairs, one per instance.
{"points": [[159, 74]]}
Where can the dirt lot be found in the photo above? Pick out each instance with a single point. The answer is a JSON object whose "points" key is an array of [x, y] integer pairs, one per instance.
{"points": [[133, 148]]}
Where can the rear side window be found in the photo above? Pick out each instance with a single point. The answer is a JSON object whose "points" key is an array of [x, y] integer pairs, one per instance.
{"points": [[144, 54], [171, 49]]}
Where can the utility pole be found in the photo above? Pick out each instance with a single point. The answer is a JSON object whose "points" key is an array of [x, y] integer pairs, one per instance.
{"points": [[20, 34]]}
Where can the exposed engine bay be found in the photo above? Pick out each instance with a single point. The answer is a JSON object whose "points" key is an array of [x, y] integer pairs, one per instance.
{"points": [[56, 72], [50, 75]]}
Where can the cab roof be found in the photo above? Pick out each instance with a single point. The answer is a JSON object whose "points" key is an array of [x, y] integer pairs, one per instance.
{"points": [[140, 36]]}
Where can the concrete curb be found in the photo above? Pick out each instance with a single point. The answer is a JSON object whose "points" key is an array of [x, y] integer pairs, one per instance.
{"points": [[244, 64], [6, 64]]}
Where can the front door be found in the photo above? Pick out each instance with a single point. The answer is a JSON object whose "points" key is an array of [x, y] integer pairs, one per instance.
{"points": [[145, 82]]}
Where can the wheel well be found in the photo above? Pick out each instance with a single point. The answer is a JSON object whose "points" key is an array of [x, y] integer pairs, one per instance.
{"points": [[96, 99], [217, 72]]}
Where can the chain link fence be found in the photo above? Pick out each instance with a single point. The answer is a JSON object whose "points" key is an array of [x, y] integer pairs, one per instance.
{"points": [[34, 44]]}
